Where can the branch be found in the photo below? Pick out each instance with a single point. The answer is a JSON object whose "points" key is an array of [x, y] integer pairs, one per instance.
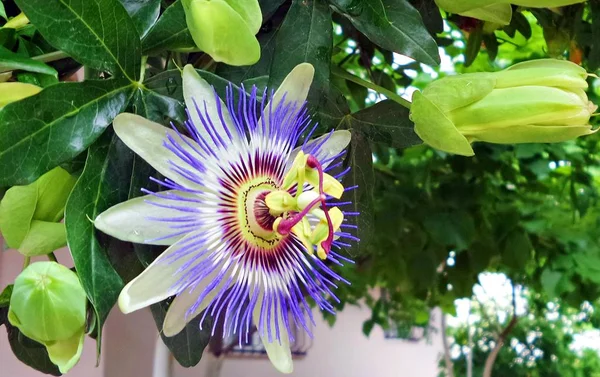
{"points": [[447, 359], [491, 359]]}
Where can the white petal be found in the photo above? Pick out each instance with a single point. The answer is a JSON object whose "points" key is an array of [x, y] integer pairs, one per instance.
{"points": [[177, 317], [157, 282], [335, 144], [196, 91], [295, 86], [132, 220], [279, 354], [146, 139]]}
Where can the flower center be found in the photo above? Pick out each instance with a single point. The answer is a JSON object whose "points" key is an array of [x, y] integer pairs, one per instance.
{"points": [[268, 213], [294, 213], [255, 220]]}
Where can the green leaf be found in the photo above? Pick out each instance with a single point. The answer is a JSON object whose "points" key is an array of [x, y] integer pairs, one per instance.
{"points": [[50, 128], [188, 345], [550, 280], [5, 296], [170, 32], [30, 352], [517, 249], [455, 229], [392, 24], [104, 182], [16, 213], [304, 36], [97, 33], [11, 61], [3, 11], [144, 13], [385, 122], [43, 238]]}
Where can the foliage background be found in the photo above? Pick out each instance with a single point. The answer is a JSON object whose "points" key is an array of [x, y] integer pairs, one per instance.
{"points": [[430, 222]]}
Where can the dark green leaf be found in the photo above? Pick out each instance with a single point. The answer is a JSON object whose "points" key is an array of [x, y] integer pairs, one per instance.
{"points": [[385, 122], [188, 345], [268, 7], [517, 249], [392, 24], [368, 327], [454, 229], [491, 45], [522, 24], [473, 45], [594, 56], [30, 352], [157, 107], [360, 160], [5, 296], [43, 131], [38, 79], [305, 36], [169, 84], [97, 33], [144, 13], [104, 182], [170, 32], [432, 18], [11, 61]]}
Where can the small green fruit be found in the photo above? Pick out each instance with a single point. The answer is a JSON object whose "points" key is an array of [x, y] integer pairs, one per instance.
{"points": [[48, 305]]}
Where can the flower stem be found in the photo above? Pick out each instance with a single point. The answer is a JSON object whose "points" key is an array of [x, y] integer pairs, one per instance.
{"points": [[26, 262], [357, 80]]}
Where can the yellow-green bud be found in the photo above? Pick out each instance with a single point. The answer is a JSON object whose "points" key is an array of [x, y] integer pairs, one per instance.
{"points": [[540, 101], [17, 22], [225, 29], [15, 91], [497, 11], [30, 215], [48, 305]]}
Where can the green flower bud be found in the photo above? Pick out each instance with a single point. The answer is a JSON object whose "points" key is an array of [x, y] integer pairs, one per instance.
{"points": [[497, 11], [540, 101], [48, 305], [30, 215], [210, 24]]}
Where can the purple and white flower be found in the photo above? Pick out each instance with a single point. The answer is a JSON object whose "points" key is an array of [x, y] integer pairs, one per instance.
{"points": [[249, 212]]}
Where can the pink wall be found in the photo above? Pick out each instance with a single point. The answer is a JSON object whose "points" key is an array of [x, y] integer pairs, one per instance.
{"points": [[341, 351]]}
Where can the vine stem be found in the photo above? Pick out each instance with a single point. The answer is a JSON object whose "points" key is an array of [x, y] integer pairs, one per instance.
{"points": [[342, 73], [26, 262]]}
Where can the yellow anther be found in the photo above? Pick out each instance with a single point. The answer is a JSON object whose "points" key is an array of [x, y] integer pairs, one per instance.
{"points": [[331, 186], [292, 177], [302, 231], [279, 202], [321, 253], [321, 231]]}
